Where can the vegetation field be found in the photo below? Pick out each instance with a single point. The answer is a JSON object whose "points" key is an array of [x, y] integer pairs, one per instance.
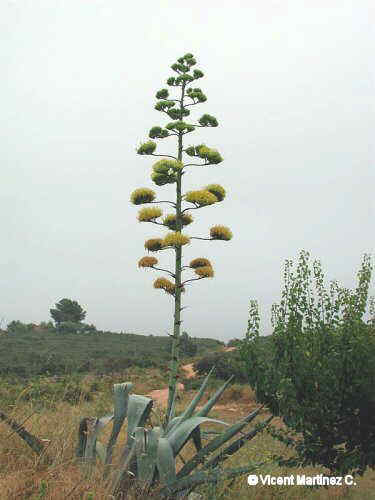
{"points": [[32, 350], [52, 410]]}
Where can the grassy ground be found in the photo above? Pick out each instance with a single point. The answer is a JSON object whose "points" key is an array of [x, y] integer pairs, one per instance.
{"points": [[24, 476]]}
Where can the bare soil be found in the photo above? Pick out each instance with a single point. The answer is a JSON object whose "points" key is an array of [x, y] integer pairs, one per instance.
{"points": [[160, 396]]}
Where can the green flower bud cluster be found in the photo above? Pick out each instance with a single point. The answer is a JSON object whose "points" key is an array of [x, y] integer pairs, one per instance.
{"points": [[147, 148], [182, 66], [196, 94], [164, 172], [162, 94], [163, 105], [158, 133], [178, 114], [208, 121], [180, 126], [212, 156]]}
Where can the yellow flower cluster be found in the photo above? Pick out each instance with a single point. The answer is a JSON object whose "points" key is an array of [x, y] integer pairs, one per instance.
{"points": [[154, 244], [201, 197], [142, 195], [149, 213], [221, 233], [147, 262], [176, 239]]}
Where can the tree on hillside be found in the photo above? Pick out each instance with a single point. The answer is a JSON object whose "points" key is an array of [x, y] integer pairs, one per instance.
{"points": [[67, 310], [170, 170]]}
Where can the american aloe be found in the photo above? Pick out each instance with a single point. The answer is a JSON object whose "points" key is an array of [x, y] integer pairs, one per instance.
{"points": [[149, 454], [169, 170]]}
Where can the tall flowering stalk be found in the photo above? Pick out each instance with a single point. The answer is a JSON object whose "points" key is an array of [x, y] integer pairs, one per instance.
{"points": [[170, 170], [148, 456]]}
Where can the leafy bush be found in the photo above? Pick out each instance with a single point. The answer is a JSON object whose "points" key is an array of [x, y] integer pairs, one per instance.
{"points": [[17, 327], [226, 364], [321, 376]]}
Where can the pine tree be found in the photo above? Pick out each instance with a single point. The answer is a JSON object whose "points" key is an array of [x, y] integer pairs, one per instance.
{"points": [[169, 170]]}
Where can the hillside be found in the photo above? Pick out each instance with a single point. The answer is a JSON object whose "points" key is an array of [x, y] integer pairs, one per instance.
{"points": [[36, 351]]}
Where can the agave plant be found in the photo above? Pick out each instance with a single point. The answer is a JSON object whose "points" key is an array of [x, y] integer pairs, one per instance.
{"points": [[149, 455]]}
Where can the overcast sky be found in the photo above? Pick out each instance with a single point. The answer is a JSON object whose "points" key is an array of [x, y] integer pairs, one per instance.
{"points": [[292, 85]]}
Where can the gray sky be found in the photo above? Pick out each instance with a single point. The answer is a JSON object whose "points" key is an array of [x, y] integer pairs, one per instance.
{"points": [[292, 86]]}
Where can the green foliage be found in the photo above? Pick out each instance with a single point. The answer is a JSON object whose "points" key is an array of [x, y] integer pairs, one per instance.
{"points": [[320, 374], [17, 327], [225, 363], [67, 310], [37, 352], [68, 327], [234, 343]]}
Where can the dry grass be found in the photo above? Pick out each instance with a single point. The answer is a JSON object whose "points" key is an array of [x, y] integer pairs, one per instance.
{"points": [[24, 476]]}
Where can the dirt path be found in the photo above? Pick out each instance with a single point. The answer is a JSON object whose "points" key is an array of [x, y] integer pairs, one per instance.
{"points": [[160, 396], [189, 370]]}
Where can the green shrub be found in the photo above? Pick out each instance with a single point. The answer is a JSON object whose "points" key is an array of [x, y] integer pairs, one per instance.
{"points": [[321, 376], [226, 364]]}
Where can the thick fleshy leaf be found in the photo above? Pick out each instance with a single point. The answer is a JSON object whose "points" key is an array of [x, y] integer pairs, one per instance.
{"points": [[213, 400], [125, 459], [236, 445], [166, 461], [101, 451], [94, 427], [201, 477], [139, 408], [121, 398], [197, 438], [173, 405], [215, 443], [193, 404], [180, 434], [172, 423], [146, 453]]}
